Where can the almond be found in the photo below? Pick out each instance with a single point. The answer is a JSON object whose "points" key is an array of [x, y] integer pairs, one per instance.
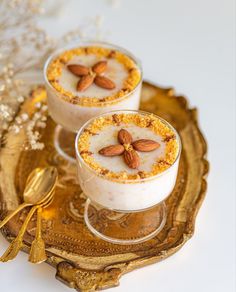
{"points": [[100, 67], [84, 82], [78, 70], [124, 137], [116, 119], [131, 159], [86, 152], [112, 150], [104, 82], [145, 145]]}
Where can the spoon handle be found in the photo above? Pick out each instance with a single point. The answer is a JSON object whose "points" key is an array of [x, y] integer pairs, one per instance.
{"points": [[37, 251], [16, 244], [18, 209]]}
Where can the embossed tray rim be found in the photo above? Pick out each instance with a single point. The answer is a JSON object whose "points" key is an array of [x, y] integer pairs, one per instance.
{"points": [[58, 259]]}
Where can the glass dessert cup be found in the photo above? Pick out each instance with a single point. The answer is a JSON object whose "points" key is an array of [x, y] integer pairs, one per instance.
{"points": [[125, 211], [71, 114]]}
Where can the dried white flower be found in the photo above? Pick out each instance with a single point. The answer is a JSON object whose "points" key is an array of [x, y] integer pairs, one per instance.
{"points": [[41, 124], [36, 116], [38, 105], [18, 120], [15, 129], [44, 108], [6, 111], [24, 117], [2, 87], [37, 146], [20, 99], [19, 36]]}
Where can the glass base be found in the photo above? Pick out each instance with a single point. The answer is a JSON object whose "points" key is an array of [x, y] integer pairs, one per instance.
{"points": [[124, 228], [64, 143]]}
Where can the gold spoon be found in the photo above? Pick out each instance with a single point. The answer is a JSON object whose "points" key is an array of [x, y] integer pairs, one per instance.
{"points": [[17, 243], [37, 251], [39, 184]]}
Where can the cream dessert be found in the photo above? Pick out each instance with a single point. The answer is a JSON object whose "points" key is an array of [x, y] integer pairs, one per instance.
{"points": [[91, 79], [127, 160]]}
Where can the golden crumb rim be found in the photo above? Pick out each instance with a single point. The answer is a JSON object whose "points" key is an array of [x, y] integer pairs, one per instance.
{"points": [[54, 69], [145, 121]]}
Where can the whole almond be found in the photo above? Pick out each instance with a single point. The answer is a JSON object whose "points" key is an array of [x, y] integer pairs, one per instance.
{"points": [[145, 145], [131, 159], [104, 82], [124, 137], [100, 67], [112, 150], [78, 70], [84, 82]]}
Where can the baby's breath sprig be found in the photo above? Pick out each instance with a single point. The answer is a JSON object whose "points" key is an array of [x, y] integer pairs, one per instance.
{"points": [[24, 49]]}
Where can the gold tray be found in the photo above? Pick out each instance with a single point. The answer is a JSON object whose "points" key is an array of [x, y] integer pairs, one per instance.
{"points": [[83, 261]]}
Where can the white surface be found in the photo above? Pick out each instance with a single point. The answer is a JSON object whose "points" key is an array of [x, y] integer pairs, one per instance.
{"points": [[189, 45]]}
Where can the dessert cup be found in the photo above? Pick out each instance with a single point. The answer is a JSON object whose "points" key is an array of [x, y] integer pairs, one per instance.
{"points": [[69, 107], [122, 196]]}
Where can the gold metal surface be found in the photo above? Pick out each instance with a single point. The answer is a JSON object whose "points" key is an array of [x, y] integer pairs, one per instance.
{"points": [[83, 261], [37, 251], [39, 186], [16, 245]]}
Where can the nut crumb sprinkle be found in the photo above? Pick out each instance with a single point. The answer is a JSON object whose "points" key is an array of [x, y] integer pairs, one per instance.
{"points": [[157, 126], [54, 71]]}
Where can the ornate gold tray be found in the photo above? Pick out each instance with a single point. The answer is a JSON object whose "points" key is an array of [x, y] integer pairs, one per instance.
{"points": [[83, 261]]}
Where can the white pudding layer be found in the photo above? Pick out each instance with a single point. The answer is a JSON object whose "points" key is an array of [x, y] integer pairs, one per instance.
{"points": [[109, 181], [73, 116], [70, 106]]}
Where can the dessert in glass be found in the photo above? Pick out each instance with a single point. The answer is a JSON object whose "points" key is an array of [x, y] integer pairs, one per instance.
{"points": [[127, 165], [86, 80]]}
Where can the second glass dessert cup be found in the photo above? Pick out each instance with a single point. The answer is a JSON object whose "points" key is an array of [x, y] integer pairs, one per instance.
{"points": [[70, 115], [125, 211]]}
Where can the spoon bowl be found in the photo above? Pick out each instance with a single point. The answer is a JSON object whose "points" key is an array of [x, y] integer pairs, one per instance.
{"points": [[39, 187], [16, 244], [40, 183]]}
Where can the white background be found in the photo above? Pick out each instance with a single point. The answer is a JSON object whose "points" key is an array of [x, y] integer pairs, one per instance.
{"points": [[189, 45]]}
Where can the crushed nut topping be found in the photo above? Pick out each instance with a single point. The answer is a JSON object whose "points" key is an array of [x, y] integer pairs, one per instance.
{"points": [[143, 121], [93, 75]]}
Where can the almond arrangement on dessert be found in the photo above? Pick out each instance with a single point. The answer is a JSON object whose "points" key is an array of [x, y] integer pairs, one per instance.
{"points": [[90, 79], [100, 172], [121, 156], [127, 161]]}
